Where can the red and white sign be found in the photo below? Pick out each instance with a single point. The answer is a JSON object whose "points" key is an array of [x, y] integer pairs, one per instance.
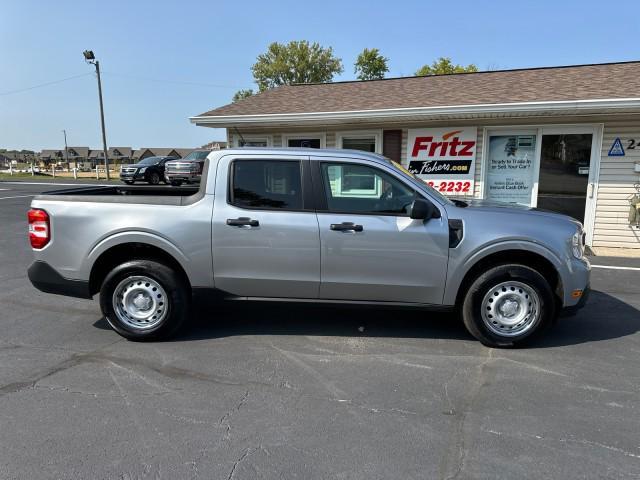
{"points": [[444, 157]]}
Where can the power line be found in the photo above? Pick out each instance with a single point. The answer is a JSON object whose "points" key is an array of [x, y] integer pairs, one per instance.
{"points": [[162, 80], [45, 84]]}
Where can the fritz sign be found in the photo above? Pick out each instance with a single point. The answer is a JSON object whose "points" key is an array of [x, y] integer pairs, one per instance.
{"points": [[444, 157]]}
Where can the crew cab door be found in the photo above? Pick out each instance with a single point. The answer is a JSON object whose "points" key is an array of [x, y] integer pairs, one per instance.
{"points": [[370, 248], [265, 235]]}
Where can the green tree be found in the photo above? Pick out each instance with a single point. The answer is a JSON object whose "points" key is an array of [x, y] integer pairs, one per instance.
{"points": [[242, 94], [443, 66], [371, 65], [295, 62]]}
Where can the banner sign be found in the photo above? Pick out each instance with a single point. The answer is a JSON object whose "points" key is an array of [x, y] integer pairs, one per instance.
{"points": [[444, 157], [510, 172]]}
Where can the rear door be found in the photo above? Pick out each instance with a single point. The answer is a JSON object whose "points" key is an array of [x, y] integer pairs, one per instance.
{"points": [[265, 231], [370, 248]]}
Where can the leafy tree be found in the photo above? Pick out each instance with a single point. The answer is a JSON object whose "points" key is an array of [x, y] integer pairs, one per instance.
{"points": [[295, 62], [371, 65], [443, 66], [242, 94]]}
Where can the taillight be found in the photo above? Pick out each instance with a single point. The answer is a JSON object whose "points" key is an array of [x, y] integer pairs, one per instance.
{"points": [[39, 228]]}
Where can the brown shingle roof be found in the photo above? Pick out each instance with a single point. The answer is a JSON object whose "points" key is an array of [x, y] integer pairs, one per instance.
{"points": [[580, 82]]}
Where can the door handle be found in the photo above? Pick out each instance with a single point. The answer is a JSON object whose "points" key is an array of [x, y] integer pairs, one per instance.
{"points": [[242, 222], [346, 227]]}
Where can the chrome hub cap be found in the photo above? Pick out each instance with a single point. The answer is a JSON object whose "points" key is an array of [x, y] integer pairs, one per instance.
{"points": [[510, 309], [140, 302]]}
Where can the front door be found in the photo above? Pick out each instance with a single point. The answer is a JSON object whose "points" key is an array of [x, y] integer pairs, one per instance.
{"points": [[565, 169], [371, 249], [265, 236]]}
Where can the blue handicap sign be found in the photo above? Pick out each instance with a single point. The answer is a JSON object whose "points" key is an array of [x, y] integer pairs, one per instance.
{"points": [[616, 149]]}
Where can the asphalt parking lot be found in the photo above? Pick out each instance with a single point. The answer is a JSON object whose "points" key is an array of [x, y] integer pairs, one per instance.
{"points": [[311, 392]]}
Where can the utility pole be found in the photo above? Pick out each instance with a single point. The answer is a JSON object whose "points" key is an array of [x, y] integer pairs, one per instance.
{"points": [[90, 58], [66, 150]]}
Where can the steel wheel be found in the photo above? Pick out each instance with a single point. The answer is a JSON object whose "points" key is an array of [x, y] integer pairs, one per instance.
{"points": [[510, 309], [140, 302]]}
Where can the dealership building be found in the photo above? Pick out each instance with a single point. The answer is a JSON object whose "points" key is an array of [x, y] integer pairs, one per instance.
{"points": [[565, 139]]}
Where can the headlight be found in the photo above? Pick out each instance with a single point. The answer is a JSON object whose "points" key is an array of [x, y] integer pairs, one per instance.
{"points": [[577, 244], [142, 170]]}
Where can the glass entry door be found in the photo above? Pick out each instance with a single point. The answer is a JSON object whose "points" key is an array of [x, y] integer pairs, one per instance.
{"points": [[565, 165]]}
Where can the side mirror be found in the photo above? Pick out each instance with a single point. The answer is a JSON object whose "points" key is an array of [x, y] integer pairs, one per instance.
{"points": [[422, 209]]}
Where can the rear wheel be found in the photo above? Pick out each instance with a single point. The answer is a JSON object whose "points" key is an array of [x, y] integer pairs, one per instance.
{"points": [[145, 300], [128, 182], [154, 178], [508, 305], [176, 183]]}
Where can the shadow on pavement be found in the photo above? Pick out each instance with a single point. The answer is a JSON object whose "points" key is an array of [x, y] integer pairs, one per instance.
{"points": [[603, 318]]}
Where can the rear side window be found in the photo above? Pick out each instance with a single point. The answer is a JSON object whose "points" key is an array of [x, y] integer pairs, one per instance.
{"points": [[271, 184]]}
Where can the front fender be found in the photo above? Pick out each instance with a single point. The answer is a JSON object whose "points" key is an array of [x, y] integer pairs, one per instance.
{"points": [[459, 266]]}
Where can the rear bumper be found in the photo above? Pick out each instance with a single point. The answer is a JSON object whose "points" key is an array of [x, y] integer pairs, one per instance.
{"points": [[46, 279]]}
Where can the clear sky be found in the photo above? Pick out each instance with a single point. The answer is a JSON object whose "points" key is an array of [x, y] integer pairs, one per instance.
{"points": [[164, 61]]}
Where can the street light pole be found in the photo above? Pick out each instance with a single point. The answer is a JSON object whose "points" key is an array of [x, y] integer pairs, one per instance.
{"points": [[90, 58]]}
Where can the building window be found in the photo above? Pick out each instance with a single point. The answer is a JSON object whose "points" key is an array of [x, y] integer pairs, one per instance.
{"points": [[304, 140], [253, 141], [367, 141]]}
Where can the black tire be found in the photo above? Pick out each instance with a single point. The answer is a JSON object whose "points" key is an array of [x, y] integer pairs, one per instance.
{"points": [[508, 276], [176, 299], [128, 182], [154, 178], [176, 183]]}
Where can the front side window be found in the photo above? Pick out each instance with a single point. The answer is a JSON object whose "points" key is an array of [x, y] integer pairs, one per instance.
{"points": [[353, 188], [272, 184]]}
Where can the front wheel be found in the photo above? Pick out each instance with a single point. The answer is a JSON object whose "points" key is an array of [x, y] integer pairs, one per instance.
{"points": [[176, 183], [145, 300], [508, 305]]}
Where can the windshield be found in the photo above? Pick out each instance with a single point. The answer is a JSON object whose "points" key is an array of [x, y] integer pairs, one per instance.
{"points": [[199, 155], [424, 184], [149, 161]]}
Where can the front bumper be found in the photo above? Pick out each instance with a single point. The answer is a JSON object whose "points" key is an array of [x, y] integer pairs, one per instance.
{"points": [[573, 309], [183, 177], [46, 279]]}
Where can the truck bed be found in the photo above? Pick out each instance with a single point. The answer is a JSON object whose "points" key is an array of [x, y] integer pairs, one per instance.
{"points": [[152, 194]]}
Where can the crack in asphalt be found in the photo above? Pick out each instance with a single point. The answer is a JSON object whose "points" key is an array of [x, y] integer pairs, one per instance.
{"points": [[453, 461]]}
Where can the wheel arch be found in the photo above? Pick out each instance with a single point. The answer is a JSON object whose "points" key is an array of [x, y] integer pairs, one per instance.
{"points": [[123, 252], [528, 258]]}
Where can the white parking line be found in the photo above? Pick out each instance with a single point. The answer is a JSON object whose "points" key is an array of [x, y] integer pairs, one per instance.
{"points": [[613, 267], [17, 196]]}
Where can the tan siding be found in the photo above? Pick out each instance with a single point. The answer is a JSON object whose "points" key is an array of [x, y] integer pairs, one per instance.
{"points": [[331, 139], [615, 187]]}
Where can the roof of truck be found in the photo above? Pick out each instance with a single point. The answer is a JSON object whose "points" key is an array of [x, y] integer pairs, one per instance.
{"points": [[310, 152]]}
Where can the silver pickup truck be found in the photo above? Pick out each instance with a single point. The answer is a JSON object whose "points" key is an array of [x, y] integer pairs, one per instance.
{"points": [[307, 225]]}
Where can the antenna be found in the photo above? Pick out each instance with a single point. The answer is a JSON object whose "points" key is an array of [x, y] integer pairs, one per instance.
{"points": [[241, 137]]}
